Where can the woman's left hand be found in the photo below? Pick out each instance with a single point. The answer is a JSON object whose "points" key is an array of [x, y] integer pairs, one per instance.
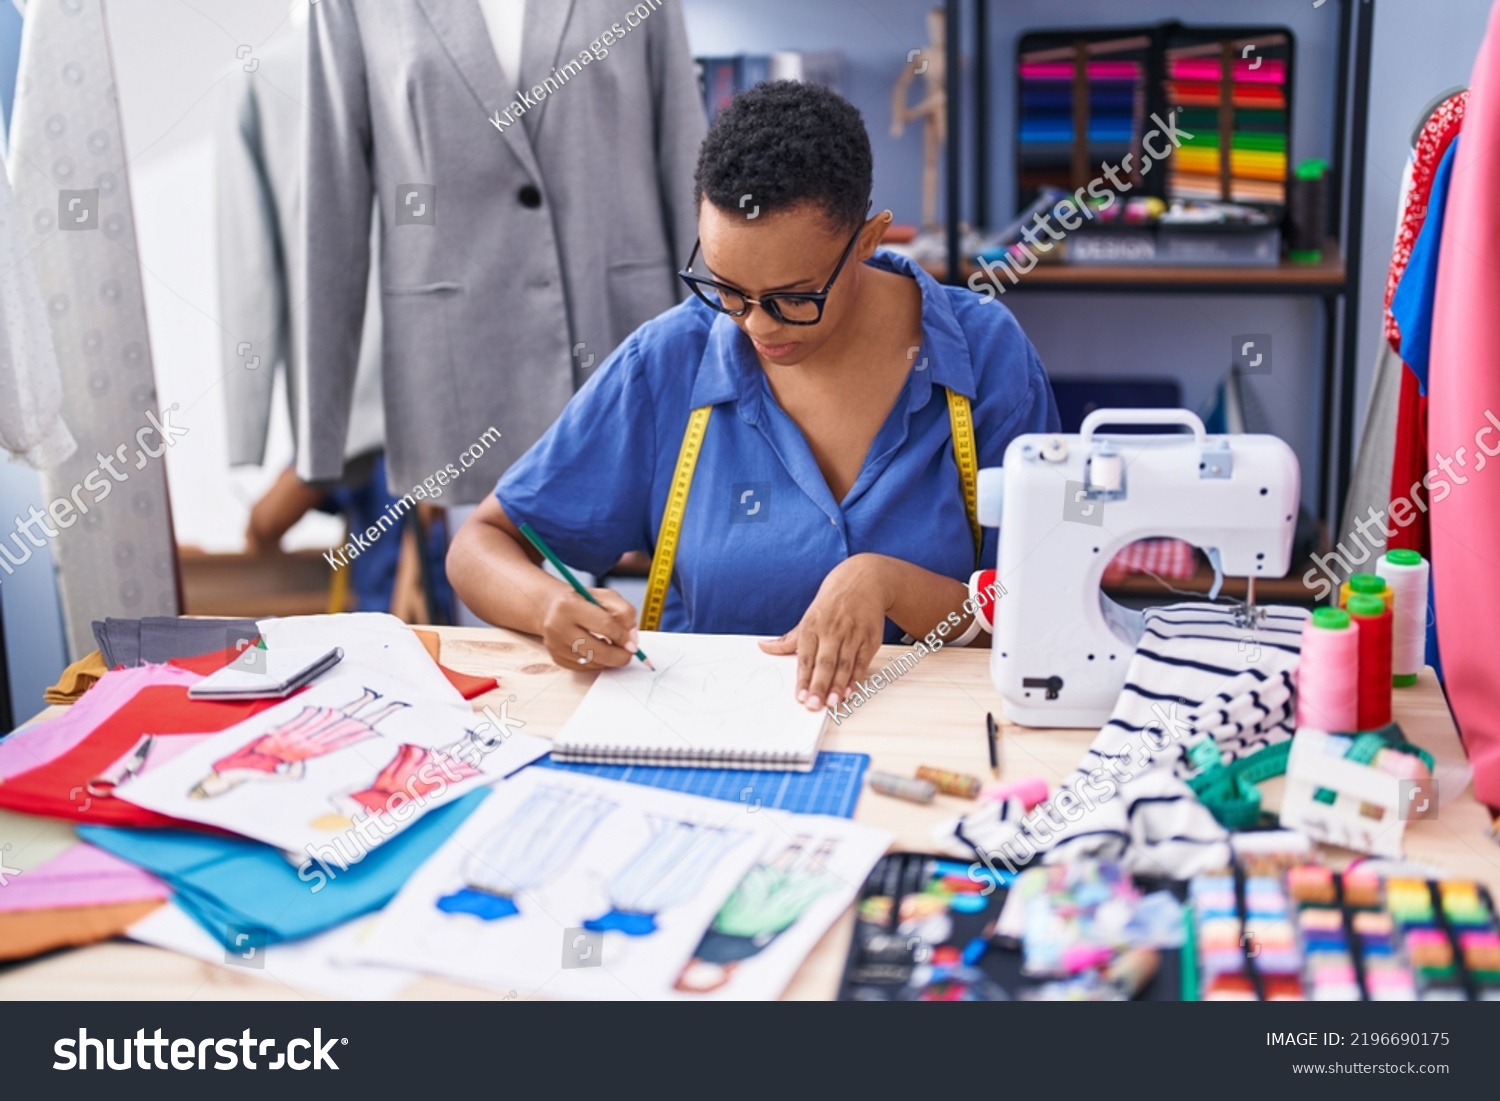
{"points": [[840, 632]]}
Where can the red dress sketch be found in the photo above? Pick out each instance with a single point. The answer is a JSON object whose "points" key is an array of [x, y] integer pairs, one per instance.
{"points": [[281, 752], [415, 771]]}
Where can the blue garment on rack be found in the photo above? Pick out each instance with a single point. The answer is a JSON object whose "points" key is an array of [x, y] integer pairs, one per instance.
{"points": [[1434, 655], [1412, 303], [230, 885]]}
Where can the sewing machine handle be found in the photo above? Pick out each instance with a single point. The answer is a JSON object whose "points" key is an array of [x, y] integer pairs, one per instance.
{"points": [[1142, 416]]}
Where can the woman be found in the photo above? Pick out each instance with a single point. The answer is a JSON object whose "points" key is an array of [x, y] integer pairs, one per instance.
{"points": [[826, 505]]}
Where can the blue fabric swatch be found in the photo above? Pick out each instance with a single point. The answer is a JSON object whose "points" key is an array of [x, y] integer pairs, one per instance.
{"points": [[230, 885]]}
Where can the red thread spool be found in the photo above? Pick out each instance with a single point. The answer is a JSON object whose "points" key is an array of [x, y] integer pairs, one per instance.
{"points": [[1374, 618]]}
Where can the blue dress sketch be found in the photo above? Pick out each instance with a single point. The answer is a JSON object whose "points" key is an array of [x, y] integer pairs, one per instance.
{"points": [[670, 870], [536, 843]]}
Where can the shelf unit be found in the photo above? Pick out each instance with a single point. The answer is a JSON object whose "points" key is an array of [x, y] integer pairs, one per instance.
{"points": [[1334, 280]]}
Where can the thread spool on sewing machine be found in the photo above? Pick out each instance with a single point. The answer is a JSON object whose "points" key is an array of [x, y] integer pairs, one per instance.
{"points": [[1066, 504]]}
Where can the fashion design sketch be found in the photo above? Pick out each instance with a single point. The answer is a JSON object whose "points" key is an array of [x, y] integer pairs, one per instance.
{"points": [[769, 901], [540, 840], [283, 751], [506, 902], [357, 750], [667, 872], [416, 771]]}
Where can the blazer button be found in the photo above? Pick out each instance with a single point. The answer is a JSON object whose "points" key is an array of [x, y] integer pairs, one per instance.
{"points": [[529, 197]]}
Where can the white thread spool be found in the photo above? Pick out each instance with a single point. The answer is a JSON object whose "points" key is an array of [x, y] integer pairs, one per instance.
{"points": [[1106, 469], [1406, 572]]}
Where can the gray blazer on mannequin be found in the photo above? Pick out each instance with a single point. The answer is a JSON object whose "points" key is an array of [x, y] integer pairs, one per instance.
{"points": [[259, 194], [517, 250]]}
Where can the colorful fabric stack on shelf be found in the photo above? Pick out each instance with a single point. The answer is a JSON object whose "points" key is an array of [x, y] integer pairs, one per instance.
{"points": [[1253, 129], [1048, 137]]}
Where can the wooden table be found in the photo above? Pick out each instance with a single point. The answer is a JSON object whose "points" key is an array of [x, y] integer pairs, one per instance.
{"points": [[934, 715]]}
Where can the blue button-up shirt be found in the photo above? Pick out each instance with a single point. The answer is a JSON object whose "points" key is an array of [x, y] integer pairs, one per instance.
{"points": [[762, 529]]}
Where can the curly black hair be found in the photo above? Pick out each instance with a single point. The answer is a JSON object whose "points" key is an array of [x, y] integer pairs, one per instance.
{"points": [[784, 143]]}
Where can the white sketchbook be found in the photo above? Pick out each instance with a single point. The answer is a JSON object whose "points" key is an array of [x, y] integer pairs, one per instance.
{"points": [[714, 701], [339, 768], [568, 886]]}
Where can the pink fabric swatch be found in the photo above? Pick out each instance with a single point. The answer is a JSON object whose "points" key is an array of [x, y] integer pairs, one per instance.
{"points": [[1464, 385], [1063, 70], [81, 876], [45, 741], [1265, 70]]}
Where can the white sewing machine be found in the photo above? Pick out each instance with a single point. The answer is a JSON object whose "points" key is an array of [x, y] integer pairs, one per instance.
{"points": [[1065, 505]]}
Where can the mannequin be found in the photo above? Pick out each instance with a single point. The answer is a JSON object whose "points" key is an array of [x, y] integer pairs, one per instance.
{"points": [[931, 62], [473, 340]]}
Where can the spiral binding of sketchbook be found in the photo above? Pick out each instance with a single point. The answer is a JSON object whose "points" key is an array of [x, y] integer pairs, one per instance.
{"points": [[687, 757]]}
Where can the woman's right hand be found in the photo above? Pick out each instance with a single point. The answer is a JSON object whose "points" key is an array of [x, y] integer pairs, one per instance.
{"points": [[581, 636]]}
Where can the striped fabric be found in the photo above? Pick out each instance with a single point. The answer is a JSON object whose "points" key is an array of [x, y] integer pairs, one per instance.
{"points": [[1195, 673]]}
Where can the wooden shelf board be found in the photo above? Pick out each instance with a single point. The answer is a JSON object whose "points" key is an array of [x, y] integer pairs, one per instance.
{"points": [[1327, 273]]}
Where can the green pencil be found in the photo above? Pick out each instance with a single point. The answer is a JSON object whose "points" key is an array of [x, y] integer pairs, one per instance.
{"points": [[567, 575]]}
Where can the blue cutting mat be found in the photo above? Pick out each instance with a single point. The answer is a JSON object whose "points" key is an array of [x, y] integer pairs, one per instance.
{"points": [[832, 787]]}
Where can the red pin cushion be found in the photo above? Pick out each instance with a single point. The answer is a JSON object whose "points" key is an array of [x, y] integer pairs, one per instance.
{"points": [[982, 590]]}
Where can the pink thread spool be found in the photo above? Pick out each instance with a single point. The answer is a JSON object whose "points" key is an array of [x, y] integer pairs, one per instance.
{"points": [[1030, 791], [1328, 672]]}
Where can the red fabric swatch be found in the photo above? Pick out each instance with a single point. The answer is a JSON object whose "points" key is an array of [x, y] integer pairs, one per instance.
{"points": [[469, 686], [208, 663], [57, 789]]}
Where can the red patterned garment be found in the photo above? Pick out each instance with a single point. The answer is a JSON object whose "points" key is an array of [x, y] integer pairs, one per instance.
{"points": [[1167, 558], [1441, 128], [1409, 460]]}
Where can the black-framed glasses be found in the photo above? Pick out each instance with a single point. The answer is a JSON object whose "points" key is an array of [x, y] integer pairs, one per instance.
{"points": [[790, 308]]}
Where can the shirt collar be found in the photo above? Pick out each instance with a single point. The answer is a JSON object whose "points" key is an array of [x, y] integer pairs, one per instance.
{"points": [[729, 370]]}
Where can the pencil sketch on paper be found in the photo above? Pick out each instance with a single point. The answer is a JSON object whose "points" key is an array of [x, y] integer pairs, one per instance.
{"points": [[282, 752], [702, 692], [526, 852], [771, 898], [669, 871]]}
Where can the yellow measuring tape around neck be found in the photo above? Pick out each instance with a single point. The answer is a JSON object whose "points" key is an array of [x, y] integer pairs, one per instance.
{"points": [[961, 418], [965, 454], [671, 521]]}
